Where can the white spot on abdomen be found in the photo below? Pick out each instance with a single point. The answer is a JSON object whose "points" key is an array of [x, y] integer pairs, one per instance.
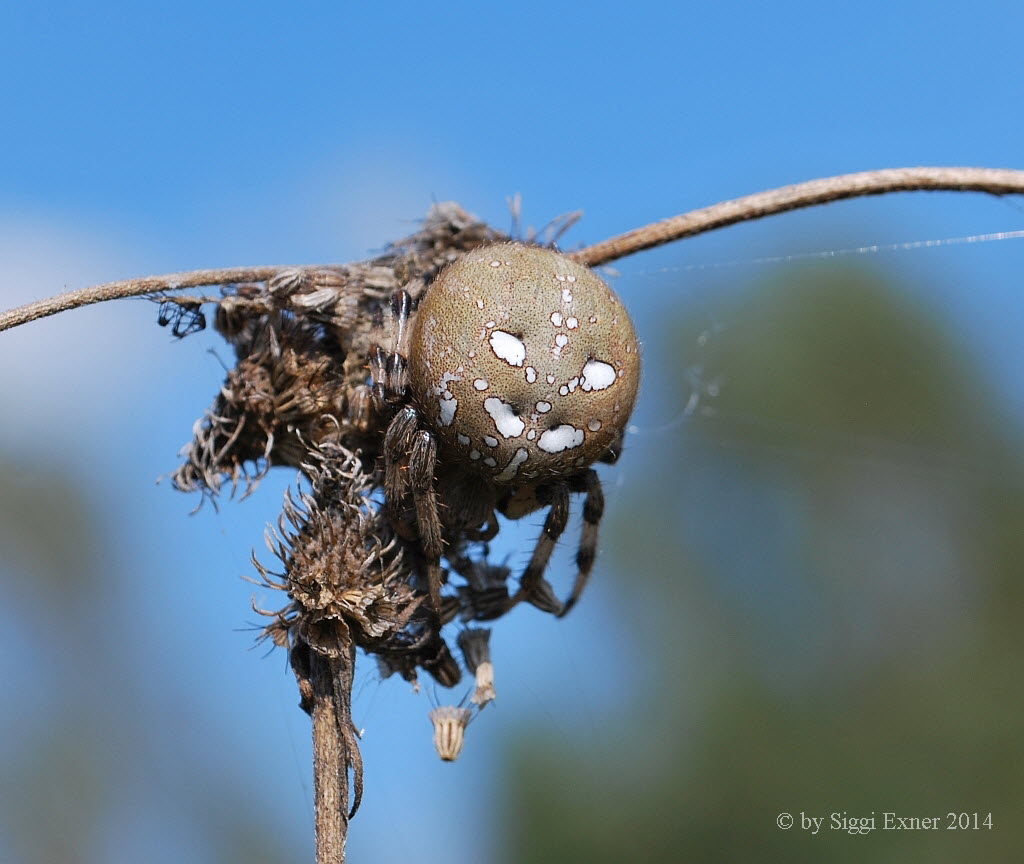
{"points": [[597, 375], [447, 404], [564, 437], [556, 319], [508, 423], [480, 384], [512, 468], [572, 323], [507, 347], [531, 374], [594, 425], [448, 408], [543, 407], [490, 441], [442, 388]]}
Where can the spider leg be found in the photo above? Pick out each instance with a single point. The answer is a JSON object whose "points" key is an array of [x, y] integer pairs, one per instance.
{"points": [[422, 464], [390, 369], [593, 510], [438, 661], [401, 308], [485, 534], [485, 596], [410, 460], [410, 453], [532, 586], [398, 443]]}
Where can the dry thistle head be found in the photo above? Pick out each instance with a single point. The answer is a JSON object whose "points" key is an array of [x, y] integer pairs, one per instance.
{"points": [[450, 724], [475, 643], [343, 570]]}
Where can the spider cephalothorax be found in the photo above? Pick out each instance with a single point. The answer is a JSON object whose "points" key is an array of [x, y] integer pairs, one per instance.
{"points": [[517, 372]]}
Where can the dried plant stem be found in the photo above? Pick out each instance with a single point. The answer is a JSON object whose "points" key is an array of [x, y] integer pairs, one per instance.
{"points": [[330, 763], [995, 181], [133, 288]]}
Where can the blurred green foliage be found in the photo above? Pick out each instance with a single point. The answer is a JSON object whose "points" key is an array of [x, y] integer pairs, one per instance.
{"points": [[822, 576]]}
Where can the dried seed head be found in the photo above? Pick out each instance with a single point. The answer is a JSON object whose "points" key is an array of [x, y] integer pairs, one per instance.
{"points": [[485, 691], [345, 583], [475, 645], [450, 724], [525, 362], [476, 651]]}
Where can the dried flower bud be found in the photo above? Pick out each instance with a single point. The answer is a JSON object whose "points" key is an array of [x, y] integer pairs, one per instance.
{"points": [[476, 651], [287, 281], [484, 692], [450, 724]]}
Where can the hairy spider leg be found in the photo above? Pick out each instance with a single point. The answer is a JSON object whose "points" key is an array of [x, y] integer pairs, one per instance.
{"points": [[422, 464], [486, 594], [398, 441], [389, 369], [593, 510], [401, 308], [410, 452], [533, 587]]}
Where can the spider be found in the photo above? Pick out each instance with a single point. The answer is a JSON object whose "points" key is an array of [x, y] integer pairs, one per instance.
{"points": [[516, 373]]}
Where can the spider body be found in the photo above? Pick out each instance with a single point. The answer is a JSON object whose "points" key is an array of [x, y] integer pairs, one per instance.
{"points": [[517, 372]]}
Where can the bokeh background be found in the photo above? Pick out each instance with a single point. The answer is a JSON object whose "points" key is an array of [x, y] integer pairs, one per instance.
{"points": [[809, 593]]}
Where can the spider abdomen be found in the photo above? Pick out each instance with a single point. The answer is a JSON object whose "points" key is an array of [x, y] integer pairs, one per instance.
{"points": [[524, 362]]}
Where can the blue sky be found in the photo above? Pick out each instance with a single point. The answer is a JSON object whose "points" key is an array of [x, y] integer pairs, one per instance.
{"points": [[146, 138]]}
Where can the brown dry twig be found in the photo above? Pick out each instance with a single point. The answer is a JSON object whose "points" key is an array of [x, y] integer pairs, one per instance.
{"points": [[994, 181]]}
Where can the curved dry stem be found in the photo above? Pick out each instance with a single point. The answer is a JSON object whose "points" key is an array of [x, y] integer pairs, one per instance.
{"points": [[995, 181], [133, 288]]}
